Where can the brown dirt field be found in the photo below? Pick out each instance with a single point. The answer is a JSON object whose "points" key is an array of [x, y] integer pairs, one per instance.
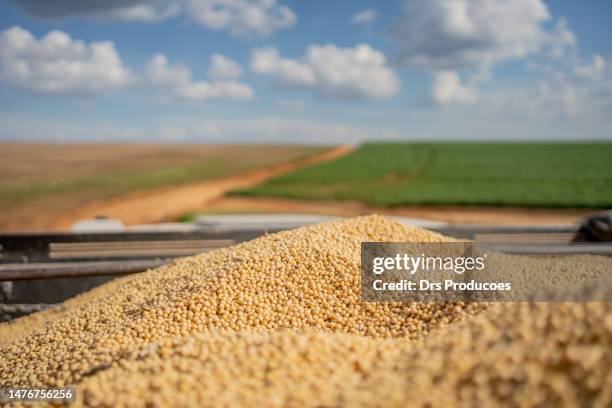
{"points": [[41, 182], [39, 162]]}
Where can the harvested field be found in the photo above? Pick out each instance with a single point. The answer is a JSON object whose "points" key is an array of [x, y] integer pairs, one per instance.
{"points": [[278, 321], [39, 182]]}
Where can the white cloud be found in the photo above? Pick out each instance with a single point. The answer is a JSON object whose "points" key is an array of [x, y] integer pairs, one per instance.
{"points": [[58, 64], [176, 82], [593, 71], [469, 37], [551, 100], [571, 86], [447, 89], [450, 34], [267, 61], [223, 68], [242, 18], [159, 73], [365, 17], [561, 39], [329, 70], [150, 11]]}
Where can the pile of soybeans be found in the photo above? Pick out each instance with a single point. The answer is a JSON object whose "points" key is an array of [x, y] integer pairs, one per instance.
{"points": [[278, 322]]}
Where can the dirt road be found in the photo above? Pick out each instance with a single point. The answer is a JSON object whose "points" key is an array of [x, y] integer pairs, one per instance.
{"points": [[451, 214], [166, 204]]}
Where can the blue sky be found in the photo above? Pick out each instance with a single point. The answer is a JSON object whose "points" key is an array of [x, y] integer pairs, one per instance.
{"points": [[305, 71]]}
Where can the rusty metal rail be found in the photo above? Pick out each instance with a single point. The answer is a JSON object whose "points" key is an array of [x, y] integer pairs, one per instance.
{"points": [[39, 255], [13, 272]]}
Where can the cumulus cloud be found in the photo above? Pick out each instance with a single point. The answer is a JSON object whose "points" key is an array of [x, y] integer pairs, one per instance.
{"points": [[572, 86], [176, 82], [332, 71], [593, 71], [242, 18], [467, 38], [267, 61], [58, 64], [223, 68], [147, 12], [561, 40], [447, 89], [365, 17], [450, 34]]}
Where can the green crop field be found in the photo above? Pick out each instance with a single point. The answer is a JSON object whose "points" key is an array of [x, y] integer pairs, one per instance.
{"points": [[496, 174]]}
